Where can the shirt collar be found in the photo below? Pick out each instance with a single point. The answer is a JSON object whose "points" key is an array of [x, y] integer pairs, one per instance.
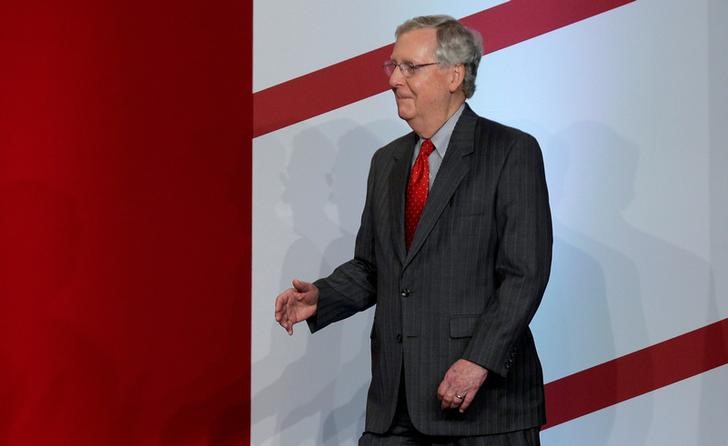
{"points": [[441, 138]]}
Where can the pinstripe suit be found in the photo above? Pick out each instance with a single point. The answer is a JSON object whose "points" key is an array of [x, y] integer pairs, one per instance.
{"points": [[467, 287]]}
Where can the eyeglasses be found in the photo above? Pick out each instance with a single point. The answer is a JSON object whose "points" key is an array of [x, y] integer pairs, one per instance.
{"points": [[406, 68]]}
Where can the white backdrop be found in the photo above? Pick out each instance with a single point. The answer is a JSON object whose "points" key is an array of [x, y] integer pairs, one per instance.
{"points": [[630, 108]]}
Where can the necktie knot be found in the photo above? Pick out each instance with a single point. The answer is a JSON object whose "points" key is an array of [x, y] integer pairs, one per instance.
{"points": [[427, 148]]}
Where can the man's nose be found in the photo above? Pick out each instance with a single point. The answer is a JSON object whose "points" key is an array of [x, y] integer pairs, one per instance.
{"points": [[396, 79]]}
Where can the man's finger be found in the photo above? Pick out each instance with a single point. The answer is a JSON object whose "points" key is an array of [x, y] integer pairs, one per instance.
{"points": [[441, 389], [448, 399], [469, 397], [300, 285], [279, 309], [281, 302], [287, 325], [450, 403]]}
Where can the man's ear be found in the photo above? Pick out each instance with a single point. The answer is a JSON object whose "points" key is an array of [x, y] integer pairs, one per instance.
{"points": [[457, 75]]}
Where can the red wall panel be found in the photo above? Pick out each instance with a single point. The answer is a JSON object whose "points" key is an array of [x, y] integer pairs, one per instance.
{"points": [[125, 145]]}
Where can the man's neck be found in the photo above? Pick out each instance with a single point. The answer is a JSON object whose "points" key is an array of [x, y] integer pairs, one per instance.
{"points": [[427, 129]]}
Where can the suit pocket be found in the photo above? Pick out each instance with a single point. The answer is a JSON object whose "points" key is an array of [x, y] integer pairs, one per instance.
{"points": [[463, 326]]}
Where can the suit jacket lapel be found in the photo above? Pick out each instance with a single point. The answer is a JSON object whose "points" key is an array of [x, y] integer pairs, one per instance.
{"points": [[398, 178], [453, 169]]}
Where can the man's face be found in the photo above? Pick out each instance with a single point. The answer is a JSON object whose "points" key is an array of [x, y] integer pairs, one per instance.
{"points": [[422, 98]]}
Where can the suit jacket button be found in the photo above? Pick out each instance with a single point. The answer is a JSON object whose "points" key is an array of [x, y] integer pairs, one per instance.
{"points": [[399, 338], [405, 292]]}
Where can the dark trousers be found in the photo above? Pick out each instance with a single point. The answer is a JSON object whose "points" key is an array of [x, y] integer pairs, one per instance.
{"points": [[403, 432]]}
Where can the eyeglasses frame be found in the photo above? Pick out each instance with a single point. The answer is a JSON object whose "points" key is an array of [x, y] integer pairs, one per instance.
{"points": [[409, 70]]}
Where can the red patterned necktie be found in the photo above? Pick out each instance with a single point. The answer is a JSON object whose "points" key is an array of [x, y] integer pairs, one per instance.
{"points": [[417, 190]]}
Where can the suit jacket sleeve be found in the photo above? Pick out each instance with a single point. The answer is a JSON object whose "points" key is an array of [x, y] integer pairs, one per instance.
{"points": [[523, 256], [352, 286]]}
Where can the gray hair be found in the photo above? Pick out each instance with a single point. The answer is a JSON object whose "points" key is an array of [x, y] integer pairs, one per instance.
{"points": [[456, 44]]}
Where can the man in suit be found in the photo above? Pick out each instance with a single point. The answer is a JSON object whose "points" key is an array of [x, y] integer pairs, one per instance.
{"points": [[454, 249]]}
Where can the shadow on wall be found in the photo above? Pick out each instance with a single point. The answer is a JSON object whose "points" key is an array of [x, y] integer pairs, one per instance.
{"points": [[612, 283], [573, 326], [598, 184], [324, 186]]}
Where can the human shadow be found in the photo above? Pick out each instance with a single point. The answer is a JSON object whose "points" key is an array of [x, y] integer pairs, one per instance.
{"points": [[305, 192], [576, 284], [647, 279], [348, 179], [572, 327], [593, 281], [325, 187]]}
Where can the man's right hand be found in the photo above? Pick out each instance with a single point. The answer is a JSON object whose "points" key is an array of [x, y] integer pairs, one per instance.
{"points": [[296, 304]]}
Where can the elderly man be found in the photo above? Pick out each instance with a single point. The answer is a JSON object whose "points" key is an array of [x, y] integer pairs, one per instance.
{"points": [[454, 249]]}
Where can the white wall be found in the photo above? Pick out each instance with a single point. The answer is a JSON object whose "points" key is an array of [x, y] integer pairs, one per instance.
{"points": [[630, 109]]}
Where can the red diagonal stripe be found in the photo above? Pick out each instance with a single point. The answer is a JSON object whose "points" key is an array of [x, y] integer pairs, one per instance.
{"points": [[360, 77], [637, 373]]}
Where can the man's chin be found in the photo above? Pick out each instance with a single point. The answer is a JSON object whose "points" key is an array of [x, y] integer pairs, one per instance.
{"points": [[405, 113]]}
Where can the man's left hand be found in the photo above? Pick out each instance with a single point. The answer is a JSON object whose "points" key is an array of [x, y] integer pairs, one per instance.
{"points": [[460, 384]]}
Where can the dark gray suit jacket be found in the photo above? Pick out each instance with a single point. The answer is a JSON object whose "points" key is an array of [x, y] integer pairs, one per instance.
{"points": [[467, 288]]}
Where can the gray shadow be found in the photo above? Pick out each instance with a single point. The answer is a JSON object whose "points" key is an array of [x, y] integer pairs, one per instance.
{"points": [[348, 180], [577, 285], [306, 191], [595, 155], [325, 198], [639, 267]]}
